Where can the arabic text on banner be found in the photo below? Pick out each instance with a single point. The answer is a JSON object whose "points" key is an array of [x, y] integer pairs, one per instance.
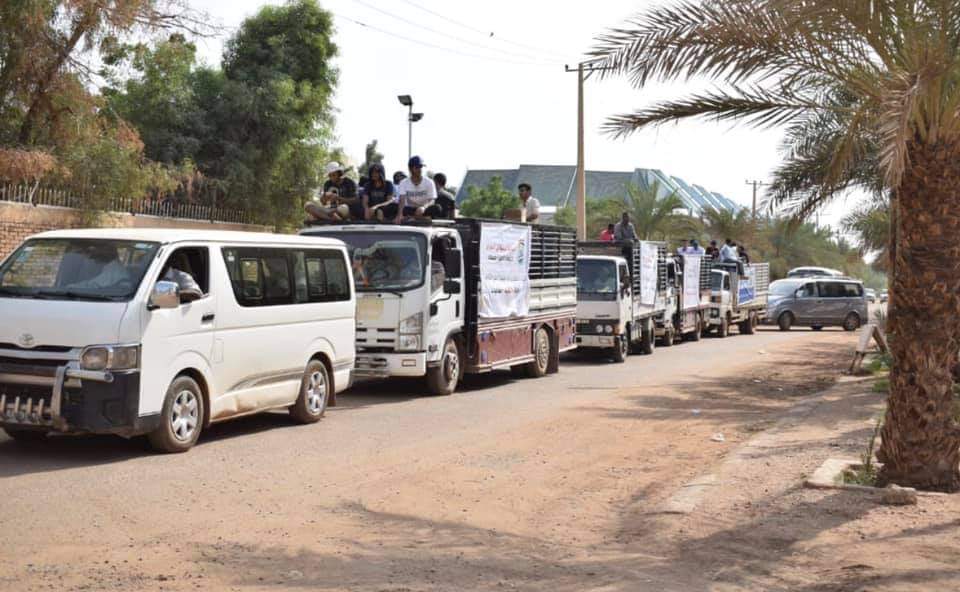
{"points": [[691, 281], [504, 270], [648, 273]]}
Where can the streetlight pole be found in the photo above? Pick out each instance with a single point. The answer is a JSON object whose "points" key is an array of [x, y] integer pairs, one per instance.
{"points": [[407, 101]]}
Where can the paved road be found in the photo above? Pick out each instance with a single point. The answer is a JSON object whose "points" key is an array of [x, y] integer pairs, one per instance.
{"points": [[260, 492]]}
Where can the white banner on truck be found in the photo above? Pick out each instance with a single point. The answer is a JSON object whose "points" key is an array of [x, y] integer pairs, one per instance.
{"points": [[504, 270], [691, 281], [648, 273]]}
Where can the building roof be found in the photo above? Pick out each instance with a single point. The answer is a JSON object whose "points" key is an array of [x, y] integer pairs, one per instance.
{"points": [[555, 185]]}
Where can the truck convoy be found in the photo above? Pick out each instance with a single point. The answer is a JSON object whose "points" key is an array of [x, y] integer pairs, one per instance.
{"points": [[738, 296], [442, 298], [621, 292]]}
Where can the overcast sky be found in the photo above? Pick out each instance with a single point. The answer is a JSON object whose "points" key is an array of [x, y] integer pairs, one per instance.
{"points": [[489, 78]]}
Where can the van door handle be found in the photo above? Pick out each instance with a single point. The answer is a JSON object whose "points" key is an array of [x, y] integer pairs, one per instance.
{"points": [[208, 318]]}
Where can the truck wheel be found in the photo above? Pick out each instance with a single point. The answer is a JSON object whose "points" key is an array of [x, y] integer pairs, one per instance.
{"points": [[181, 418], [541, 353], [668, 337], [852, 322], [442, 379], [622, 349], [785, 321], [697, 331], [746, 327], [724, 329], [26, 435], [314, 394], [648, 339]]}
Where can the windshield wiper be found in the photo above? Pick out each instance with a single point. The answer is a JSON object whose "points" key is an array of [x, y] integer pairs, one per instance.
{"points": [[15, 293], [72, 295]]}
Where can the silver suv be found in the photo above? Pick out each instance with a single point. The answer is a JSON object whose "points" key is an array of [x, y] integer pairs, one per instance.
{"points": [[817, 303]]}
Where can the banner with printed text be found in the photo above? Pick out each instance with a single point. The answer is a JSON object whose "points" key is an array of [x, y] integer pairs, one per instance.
{"points": [[648, 273], [691, 282], [504, 270]]}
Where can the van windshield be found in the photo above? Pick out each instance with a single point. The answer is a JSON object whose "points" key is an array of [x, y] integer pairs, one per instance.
{"points": [[384, 261], [596, 279], [783, 288], [76, 269]]}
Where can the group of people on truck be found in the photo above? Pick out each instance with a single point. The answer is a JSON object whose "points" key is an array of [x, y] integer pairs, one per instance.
{"points": [[378, 198], [416, 196]]}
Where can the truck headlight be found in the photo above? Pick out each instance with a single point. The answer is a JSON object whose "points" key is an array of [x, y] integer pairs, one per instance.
{"points": [[599, 329], [110, 357], [608, 329], [408, 343], [412, 324]]}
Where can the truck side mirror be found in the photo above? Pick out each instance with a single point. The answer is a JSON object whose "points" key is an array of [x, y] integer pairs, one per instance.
{"points": [[451, 262], [164, 295], [451, 287]]}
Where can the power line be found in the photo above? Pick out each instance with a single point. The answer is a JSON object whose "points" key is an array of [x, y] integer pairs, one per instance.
{"points": [[448, 35], [489, 34], [434, 46]]}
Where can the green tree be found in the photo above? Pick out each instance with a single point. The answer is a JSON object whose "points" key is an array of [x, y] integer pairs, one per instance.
{"points": [[871, 224], [565, 216], [886, 71], [655, 216], [489, 201]]}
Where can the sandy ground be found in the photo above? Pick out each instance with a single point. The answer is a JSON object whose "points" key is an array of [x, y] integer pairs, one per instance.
{"points": [[554, 484]]}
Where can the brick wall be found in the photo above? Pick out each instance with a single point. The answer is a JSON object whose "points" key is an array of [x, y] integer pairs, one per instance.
{"points": [[18, 221]]}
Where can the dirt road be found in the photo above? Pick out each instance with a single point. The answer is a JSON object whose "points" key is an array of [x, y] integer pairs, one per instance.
{"points": [[508, 484]]}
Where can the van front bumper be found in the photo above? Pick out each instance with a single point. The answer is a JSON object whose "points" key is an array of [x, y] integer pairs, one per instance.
{"points": [[71, 400], [383, 365]]}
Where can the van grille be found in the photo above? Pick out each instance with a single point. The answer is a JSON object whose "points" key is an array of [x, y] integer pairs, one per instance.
{"points": [[49, 349]]}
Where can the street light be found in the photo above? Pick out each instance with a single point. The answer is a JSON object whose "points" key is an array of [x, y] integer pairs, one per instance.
{"points": [[407, 101]]}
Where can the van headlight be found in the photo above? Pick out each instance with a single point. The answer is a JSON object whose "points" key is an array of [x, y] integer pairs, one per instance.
{"points": [[110, 357], [412, 324]]}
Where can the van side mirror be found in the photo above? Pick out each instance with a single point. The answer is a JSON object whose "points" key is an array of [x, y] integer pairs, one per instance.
{"points": [[451, 262], [164, 295], [451, 287]]}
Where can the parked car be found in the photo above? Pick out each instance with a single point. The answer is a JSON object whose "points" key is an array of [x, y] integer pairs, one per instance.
{"points": [[884, 295], [817, 303], [871, 295], [162, 332], [810, 271]]}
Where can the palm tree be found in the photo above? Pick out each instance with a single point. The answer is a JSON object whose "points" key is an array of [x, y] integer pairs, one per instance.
{"points": [[871, 224], [654, 215], [723, 224], [879, 77]]}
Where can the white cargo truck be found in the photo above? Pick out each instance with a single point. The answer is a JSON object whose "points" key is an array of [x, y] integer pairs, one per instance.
{"points": [[738, 296]]}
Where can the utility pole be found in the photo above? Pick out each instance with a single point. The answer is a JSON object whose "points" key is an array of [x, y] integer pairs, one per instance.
{"points": [[581, 68], [756, 185]]}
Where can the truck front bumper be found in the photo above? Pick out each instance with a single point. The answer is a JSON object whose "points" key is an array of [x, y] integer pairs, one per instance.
{"points": [[597, 340], [383, 365], [68, 399]]}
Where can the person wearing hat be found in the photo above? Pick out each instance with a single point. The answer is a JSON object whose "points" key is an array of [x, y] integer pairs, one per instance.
{"points": [[417, 192], [341, 190]]}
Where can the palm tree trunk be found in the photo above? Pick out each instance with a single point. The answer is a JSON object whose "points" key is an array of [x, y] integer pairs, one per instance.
{"points": [[920, 439]]}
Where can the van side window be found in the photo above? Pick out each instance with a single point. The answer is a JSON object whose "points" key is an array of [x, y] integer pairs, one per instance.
{"points": [[272, 277], [853, 290], [832, 290], [808, 291], [326, 276], [188, 267]]}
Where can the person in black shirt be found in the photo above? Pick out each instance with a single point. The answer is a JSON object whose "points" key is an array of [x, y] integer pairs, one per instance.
{"points": [[444, 207], [379, 197], [341, 189]]}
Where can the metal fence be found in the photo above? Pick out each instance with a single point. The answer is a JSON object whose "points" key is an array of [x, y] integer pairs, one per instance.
{"points": [[167, 208]]}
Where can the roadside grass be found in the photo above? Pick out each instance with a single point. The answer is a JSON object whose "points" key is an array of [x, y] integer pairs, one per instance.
{"points": [[866, 472]]}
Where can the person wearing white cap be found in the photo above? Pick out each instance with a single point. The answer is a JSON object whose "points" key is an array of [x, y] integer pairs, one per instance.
{"points": [[339, 200]]}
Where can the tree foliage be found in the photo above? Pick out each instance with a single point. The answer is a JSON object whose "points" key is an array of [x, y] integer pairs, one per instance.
{"points": [[489, 201]]}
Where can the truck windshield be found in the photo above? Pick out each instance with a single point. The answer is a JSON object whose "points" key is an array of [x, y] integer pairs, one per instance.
{"points": [[384, 261], [76, 269], [596, 279]]}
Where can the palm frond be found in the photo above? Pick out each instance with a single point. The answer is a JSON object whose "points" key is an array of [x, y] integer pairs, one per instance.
{"points": [[756, 106]]}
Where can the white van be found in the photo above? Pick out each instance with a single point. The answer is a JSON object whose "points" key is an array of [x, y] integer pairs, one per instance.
{"points": [[162, 332]]}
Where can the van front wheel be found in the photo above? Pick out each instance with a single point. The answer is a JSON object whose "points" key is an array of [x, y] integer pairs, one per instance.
{"points": [[442, 379], [314, 394], [181, 418]]}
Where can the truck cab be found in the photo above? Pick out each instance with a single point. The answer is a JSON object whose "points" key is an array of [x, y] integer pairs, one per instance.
{"points": [[410, 299], [604, 303], [738, 298]]}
